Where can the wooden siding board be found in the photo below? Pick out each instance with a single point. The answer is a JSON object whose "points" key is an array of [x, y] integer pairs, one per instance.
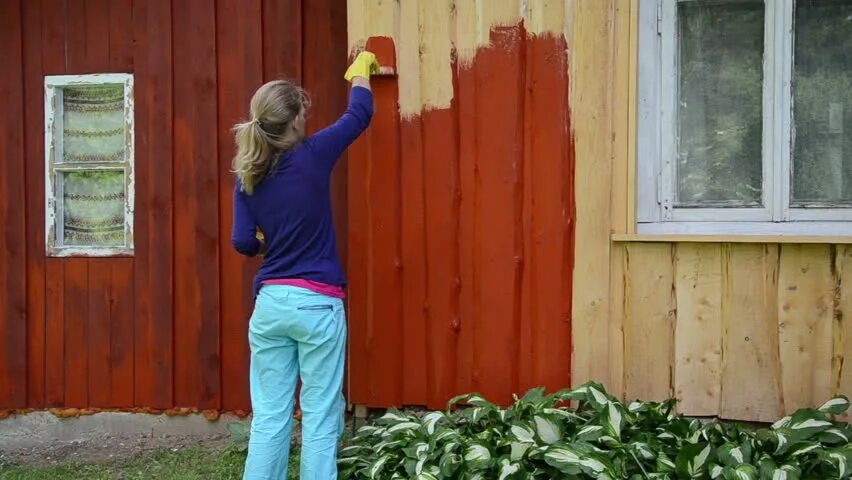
{"points": [[805, 317], [240, 72], [154, 249], [282, 39], [77, 332], [751, 383], [698, 335], [649, 318], [196, 176], [122, 300], [842, 367], [34, 185], [99, 339], [13, 322]]}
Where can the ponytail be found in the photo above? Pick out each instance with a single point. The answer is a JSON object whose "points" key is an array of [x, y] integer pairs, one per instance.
{"points": [[261, 140]]}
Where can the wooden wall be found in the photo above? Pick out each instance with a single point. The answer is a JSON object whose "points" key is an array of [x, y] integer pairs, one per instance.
{"points": [[166, 327], [732, 329], [461, 204]]}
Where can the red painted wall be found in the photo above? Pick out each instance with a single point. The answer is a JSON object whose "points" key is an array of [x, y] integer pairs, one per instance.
{"points": [[167, 327], [461, 234]]}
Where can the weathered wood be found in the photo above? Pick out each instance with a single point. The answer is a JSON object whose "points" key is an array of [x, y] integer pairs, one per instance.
{"points": [[698, 335], [751, 377], [649, 308], [805, 318], [842, 330]]}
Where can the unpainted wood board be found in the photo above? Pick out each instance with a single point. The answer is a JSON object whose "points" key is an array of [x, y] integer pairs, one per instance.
{"points": [[590, 102], [618, 271], [751, 382], [649, 318], [805, 318], [698, 330], [842, 331]]}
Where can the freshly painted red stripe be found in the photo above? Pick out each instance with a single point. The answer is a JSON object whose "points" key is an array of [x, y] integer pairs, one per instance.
{"points": [[486, 234], [282, 39]]}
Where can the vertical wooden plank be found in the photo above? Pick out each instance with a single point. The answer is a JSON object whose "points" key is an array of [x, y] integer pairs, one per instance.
{"points": [[698, 332], [805, 318], [620, 114], [121, 298], [196, 176], [547, 145], [13, 273], [121, 315], [469, 234], [842, 334], [77, 332], [34, 152], [618, 281], [591, 79], [384, 263], [282, 39], [53, 62], [99, 338], [154, 256], [240, 72], [499, 72], [360, 324], [751, 379], [649, 321], [440, 180]]}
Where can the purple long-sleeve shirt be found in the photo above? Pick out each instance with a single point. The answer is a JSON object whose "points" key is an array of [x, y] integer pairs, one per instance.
{"points": [[292, 205]]}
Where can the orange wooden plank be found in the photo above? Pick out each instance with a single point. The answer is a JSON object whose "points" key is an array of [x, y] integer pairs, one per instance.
{"points": [[99, 334], [547, 147], [34, 148], [413, 236], [499, 75], [360, 325], [384, 257], [53, 34], [440, 178], [121, 314], [240, 67], [282, 39], [154, 249], [196, 231], [13, 333], [77, 332], [469, 227]]}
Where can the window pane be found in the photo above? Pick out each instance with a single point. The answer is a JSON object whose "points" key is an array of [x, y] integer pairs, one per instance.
{"points": [[720, 104], [93, 123], [822, 103], [93, 206]]}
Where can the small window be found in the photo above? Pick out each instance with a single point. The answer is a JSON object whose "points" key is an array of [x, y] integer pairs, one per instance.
{"points": [[745, 117], [89, 164]]}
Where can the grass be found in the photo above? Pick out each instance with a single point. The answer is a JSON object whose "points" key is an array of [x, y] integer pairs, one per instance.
{"points": [[188, 464]]}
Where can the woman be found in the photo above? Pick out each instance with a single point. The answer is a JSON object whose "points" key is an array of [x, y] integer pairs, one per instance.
{"points": [[298, 327]]}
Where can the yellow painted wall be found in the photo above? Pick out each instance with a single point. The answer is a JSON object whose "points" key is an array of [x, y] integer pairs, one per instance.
{"points": [[740, 330]]}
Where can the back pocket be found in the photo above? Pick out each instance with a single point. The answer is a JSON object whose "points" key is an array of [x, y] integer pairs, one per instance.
{"points": [[315, 307]]}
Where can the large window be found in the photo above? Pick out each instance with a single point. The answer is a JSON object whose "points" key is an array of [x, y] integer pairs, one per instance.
{"points": [[89, 164], [745, 117]]}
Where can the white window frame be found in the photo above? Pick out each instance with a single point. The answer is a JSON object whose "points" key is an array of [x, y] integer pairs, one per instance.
{"points": [[53, 114], [657, 93]]}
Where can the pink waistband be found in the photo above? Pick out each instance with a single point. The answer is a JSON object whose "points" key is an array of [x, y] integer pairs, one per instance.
{"points": [[335, 291]]}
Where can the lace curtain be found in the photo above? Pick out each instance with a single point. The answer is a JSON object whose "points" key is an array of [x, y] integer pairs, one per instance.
{"points": [[93, 131]]}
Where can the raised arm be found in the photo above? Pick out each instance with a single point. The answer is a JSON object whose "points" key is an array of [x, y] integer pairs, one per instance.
{"points": [[330, 142]]}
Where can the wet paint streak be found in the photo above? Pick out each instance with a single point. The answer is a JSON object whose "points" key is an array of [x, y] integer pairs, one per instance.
{"points": [[486, 195]]}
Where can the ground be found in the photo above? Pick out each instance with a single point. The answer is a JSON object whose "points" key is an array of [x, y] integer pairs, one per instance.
{"points": [[125, 458]]}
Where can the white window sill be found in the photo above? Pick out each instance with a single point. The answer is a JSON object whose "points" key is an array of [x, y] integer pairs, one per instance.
{"points": [[741, 232]]}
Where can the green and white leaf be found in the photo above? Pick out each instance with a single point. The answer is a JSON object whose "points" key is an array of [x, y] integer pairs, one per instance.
{"points": [[547, 430]]}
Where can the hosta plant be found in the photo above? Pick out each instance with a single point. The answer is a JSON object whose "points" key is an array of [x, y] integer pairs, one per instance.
{"points": [[541, 437]]}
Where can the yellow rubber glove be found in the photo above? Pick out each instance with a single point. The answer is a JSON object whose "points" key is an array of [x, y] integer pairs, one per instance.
{"points": [[365, 64]]}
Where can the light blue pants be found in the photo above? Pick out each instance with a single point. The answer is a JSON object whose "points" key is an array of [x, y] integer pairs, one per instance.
{"points": [[295, 332]]}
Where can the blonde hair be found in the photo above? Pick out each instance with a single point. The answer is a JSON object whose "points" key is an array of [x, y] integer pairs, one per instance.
{"points": [[267, 134]]}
